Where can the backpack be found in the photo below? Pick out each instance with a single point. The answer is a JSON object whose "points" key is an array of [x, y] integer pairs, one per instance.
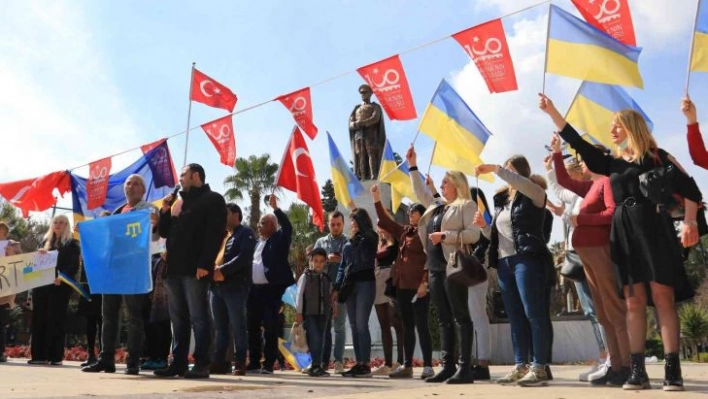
{"points": [[657, 185]]}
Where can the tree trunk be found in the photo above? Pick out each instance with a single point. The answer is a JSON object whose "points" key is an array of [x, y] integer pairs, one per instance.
{"points": [[255, 209]]}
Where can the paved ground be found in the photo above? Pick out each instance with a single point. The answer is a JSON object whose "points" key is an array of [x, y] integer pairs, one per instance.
{"points": [[19, 380]]}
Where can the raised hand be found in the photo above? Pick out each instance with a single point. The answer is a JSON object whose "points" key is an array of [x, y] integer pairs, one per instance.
{"points": [[689, 110], [412, 157], [486, 168]]}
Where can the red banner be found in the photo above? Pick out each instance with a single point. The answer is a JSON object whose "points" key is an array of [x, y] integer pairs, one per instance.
{"points": [[36, 195], [486, 45], [610, 16], [97, 183], [210, 92], [299, 103], [388, 81], [221, 134]]}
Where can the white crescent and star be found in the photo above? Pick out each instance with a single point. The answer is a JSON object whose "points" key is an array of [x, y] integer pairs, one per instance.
{"points": [[298, 152], [202, 87]]}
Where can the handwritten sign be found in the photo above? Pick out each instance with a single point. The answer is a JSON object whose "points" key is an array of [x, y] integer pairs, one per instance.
{"points": [[18, 273], [47, 260]]}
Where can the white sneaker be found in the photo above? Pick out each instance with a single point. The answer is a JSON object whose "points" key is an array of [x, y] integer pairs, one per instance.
{"points": [[427, 372], [306, 369], [338, 368], [382, 370], [585, 377], [535, 377], [600, 372], [514, 375], [395, 366]]}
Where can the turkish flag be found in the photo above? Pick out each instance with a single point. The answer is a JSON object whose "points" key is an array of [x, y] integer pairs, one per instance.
{"points": [[97, 183], [221, 134], [37, 194], [388, 81], [210, 92], [297, 174], [610, 16], [299, 103], [486, 45]]}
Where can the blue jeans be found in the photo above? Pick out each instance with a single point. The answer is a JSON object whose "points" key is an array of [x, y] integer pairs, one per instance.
{"points": [[317, 333], [359, 305], [228, 308], [339, 324], [522, 280], [189, 308], [588, 306]]}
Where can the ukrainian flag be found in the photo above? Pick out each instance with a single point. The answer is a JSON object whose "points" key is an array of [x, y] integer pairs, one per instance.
{"points": [[593, 108], [578, 50], [449, 160], [398, 176], [459, 135], [346, 185], [484, 211], [699, 57]]}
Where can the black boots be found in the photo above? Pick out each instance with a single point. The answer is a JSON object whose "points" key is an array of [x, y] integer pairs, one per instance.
{"points": [[464, 374], [672, 373], [447, 346], [638, 378]]}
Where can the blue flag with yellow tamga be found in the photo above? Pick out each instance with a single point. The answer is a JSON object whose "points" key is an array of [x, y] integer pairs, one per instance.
{"points": [[116, 252]]}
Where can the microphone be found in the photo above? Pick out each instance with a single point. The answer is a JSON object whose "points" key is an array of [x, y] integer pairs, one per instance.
{"points": [[174, 193]]}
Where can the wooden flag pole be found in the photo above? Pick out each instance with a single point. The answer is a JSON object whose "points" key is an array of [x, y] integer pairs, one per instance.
{"points": [[189, 114], [690, 51], [435, 146]]}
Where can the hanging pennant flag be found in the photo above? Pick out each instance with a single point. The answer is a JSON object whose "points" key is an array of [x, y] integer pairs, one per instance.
{"points": [[37, 194], [388, 81], [97, 184], [299, 103], [579, 50], [699, 54], [297, 174], [221, 134], [210, 92], [346, 185], [159, 163], [486, 45], [612, 17]]}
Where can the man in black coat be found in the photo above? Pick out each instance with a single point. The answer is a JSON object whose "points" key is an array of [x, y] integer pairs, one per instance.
{"points": [[195, 230], [271, 275]]}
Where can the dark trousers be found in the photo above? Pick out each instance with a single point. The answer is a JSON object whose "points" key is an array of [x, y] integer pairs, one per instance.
{"points": [[450, 301], [189, 308], [94, 328], [158, 339], [415, 317], [4, 319], [318, 338], [228, 309], [264, 303], [109, 335], [50, 303]]}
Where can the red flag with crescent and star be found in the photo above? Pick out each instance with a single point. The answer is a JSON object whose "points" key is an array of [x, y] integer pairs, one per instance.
{"points": [[388, 81], [486, 45], [221, 134], [610, 16], [37, 194], [297, 174], [97, 183], [299, 104], [210, 92]]}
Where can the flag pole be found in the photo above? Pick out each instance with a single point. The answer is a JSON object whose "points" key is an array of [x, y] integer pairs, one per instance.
{"points": [[690, 51], [381, 179], [435, 146], [189, 113], [548, 36], [575, 97]]}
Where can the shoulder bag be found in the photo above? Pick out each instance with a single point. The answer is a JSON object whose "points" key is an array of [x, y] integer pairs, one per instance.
{"points": [[463, 267]]}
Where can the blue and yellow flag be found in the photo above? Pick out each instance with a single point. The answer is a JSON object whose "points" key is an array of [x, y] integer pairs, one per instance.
{"points": [[116, 252], [346, 185], [459, 135], [578, 50], [398, 176], [155, 167], [699, 57], [594, 106]]}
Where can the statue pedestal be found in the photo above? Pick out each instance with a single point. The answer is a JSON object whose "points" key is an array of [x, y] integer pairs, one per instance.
{"points": [[364, 201]]}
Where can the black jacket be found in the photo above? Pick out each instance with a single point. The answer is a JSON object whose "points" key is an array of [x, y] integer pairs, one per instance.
{"points": [[528, 222], [238, 257], [67, 258], [194, 237], [357, 255], [275, 253]]}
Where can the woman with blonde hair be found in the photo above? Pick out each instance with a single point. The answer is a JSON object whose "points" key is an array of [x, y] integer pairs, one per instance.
{"points": [[645, 249], [50, 303], [445, 224]]}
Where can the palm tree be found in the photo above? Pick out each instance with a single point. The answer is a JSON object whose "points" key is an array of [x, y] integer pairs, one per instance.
{"points": [[255, 176]]}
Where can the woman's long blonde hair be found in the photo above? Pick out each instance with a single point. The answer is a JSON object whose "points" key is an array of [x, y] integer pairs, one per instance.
{"points": [[64, 237], [640, 142], [459, 180]]}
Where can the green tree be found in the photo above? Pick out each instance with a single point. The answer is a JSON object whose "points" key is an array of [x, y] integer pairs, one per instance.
{"points": [[304, 234], [28, 232], [254, 176], [329, 202]]}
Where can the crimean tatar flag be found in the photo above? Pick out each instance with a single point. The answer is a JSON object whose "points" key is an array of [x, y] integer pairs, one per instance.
{"points": [[699, 57], [346, 185], [398, 176], [579, 50], [594, 106]]}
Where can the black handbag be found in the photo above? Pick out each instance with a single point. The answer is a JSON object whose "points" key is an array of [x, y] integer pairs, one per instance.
{"points": [[657, 185], [463, 267], [572, 267], [390, 289]]}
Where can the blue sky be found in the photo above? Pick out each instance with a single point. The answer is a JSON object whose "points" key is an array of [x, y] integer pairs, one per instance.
{"points": [[84, 79]]}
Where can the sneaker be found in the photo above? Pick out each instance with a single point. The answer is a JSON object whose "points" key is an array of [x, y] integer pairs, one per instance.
{"points": [[91, 360], [536, 377], [351, 371], [395, 366], [197, 372], [599, 379], [317, 372], [267, 370], [427, 372], [363, 372], [403, 372], [617, 379], [338, 368], [585, 377], [99, 366], [481, 373], [170, 371], [381, 371], [514, 375], [306, 370]]}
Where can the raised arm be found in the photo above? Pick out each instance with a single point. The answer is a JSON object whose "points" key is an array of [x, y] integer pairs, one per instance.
{"points": [[523, 185], [423, 195], [604, 217], [566, 183], [696, 145], [386, 222]]}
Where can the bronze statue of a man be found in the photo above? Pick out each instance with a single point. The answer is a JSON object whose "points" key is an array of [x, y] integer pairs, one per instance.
{"points": [[367, 135]]}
